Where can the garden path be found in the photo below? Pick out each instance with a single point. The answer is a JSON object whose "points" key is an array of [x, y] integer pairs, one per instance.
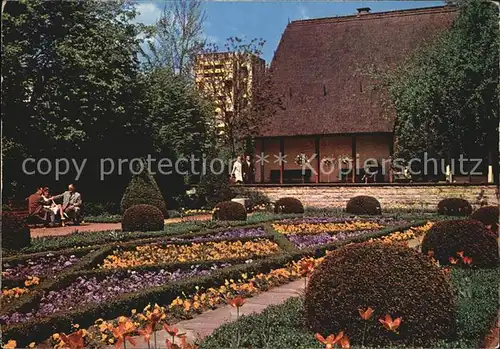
{"points": [[204, 324], [91, 227]]}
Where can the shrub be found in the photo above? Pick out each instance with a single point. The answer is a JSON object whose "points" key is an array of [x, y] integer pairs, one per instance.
{"points": [[391, 279], [15, 232], [214, 188], [288, 205], [446, 238], [364, 205], [142, 218], [454, 207], [143, 189], [230, 211], [488, 215]]}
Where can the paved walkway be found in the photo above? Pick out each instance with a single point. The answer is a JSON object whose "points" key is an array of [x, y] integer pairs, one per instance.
{"points": [[204, 324], [91, 227]]}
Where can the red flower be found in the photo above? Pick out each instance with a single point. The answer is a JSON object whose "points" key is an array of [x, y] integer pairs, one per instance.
{"points": [[173, 331], [306, 268], [453, 260], [147, 332], [366, 314], [344, 343], [460, 254], [467, 260], [73, 340], [389, 324], [237, 302], [329, 341]]}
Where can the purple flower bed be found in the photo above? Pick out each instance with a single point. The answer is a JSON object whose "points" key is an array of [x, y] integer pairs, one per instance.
{"points": [[85, 290], [41, 267], [388, 221], [309, 240], [234, 233]]}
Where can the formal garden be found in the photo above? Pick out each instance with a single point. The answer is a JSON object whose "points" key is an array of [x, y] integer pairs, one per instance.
{"points": [[195, 259], [363, 277]]}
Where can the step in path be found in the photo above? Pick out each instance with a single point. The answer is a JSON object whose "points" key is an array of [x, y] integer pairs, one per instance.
{"points": [[205, 324]]}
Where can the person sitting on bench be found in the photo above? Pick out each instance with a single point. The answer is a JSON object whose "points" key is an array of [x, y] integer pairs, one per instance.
{"points": [[36, 207], [72, 203]]}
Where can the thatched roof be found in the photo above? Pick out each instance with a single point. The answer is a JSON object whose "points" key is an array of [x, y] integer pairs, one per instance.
{"points": [[320, 69]]}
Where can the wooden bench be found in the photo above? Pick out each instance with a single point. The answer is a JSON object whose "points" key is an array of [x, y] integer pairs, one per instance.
{"points": [[20, 208]]}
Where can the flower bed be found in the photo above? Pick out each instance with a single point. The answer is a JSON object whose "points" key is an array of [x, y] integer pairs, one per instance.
{"points": [[87, 289], [405, 235], [171, 253], [236, 233], [40, 267], [317, 228], [312, 240], [185, 295]]}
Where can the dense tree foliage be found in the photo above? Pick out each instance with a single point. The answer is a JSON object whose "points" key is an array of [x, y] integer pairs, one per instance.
{"points": [[73, 88], [69, 84], [446, 95]]}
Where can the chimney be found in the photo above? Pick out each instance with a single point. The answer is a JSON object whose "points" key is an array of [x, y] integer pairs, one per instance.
{"points": [[363, 10]]}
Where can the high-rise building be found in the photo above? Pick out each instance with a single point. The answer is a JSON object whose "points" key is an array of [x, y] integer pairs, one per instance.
{"points": [[228, 79]]}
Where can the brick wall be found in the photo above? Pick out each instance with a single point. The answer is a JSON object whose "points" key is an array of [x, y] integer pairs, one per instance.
{"points": [[411, 196]]}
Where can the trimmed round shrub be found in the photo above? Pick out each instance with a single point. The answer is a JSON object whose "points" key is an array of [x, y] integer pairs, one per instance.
{"points": [[391, 279], [288, 205], [363, 205], [142, 218], [488, 215], [454, 207], [15, 232], [446, 238], [143, 189], [230, 211]]}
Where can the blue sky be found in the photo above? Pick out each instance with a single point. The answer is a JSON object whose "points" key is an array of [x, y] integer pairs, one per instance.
{"points": [[267, 20]]}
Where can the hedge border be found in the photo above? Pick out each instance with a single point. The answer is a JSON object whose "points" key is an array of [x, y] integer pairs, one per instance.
{"points": [[41, 328]]}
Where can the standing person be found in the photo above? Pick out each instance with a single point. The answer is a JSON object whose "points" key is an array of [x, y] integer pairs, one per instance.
{"points": [[248, 170], [36, 206], [72, 203], [237, 171]]}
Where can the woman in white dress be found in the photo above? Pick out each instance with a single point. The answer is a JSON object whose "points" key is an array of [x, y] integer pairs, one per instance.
{"points": [[237, 172]]}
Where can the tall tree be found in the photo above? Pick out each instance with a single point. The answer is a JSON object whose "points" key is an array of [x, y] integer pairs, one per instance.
{"points": [[69, 73], [446, 95], [176, 37]]}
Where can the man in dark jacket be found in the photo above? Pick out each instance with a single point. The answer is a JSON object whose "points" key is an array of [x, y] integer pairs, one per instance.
{"points": [[248, 170]]}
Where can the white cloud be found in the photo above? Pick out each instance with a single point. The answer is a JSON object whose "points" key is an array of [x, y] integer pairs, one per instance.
{"points": [[147, 12], [303, 12]]}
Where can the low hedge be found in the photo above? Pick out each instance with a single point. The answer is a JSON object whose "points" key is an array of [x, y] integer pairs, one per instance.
{"points": [[454, 207], [488, 215], [364, 205], [288, 205], [447, 238], [230, 211], [143, 218]]}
